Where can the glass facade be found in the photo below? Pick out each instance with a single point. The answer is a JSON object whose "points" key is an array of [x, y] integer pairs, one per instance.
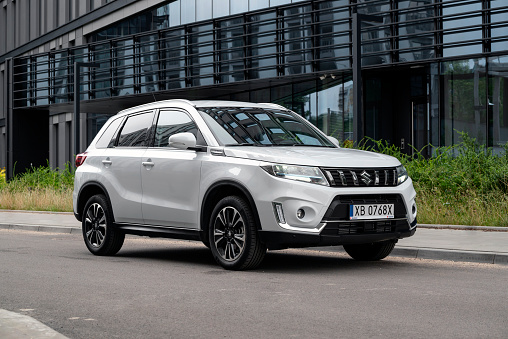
{"points": [[298, 54]]}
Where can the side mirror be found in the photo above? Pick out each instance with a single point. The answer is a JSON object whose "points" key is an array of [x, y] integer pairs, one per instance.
{"points": [[333, 140], [182, 140]]}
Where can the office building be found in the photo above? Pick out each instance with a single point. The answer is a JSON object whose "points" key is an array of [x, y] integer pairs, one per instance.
{"points": [[429, 68]]}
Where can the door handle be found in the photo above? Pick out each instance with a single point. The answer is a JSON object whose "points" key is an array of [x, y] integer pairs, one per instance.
{"points": [[147, 163], [107, 162]]}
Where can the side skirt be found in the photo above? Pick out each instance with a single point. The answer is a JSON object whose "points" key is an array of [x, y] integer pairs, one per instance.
{"points": [[159, 232]]}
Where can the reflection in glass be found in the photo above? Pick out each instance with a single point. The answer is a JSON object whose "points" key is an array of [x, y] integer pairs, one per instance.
{"points": [[462, 16], [149, 65], [375, 36], [135, 130], [416, 24], [499, 31], [231, 44], [298, 41], [60, 77], [464, 100], [333, 26], [124, 70], [263, 51], [172, 122], [101, 75], [41, 77], [201, 55], [173, 58], [497, 105], [257, 126]]}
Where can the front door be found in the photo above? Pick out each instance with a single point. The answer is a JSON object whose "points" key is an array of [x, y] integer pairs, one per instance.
{"points": [[170, 177]]}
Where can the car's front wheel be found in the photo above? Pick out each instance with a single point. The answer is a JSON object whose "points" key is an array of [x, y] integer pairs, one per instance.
{"points": [[234, 240], [99, 235], [370, 252]]}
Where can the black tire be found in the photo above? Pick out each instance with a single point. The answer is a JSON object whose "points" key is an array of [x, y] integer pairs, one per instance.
{"points": [[370, 252], [101, 238], [234, 240]]}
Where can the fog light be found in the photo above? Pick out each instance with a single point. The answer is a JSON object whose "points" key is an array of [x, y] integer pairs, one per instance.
{"points": [[279, 213], [300, 214]]}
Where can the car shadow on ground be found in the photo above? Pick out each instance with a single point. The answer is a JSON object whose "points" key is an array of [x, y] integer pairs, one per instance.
{"points": [[292, 260]]}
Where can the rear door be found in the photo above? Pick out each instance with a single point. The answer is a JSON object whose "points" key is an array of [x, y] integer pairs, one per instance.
{"points": [[170, 176], [121, 167]]}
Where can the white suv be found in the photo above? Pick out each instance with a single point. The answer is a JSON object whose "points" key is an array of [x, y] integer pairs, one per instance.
{"points": [[241, 177]]}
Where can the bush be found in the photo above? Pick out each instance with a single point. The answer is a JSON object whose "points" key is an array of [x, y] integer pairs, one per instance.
{"points": [[462, 184], [40, 188]]}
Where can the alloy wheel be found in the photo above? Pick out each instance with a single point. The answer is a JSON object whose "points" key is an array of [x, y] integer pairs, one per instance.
{"points": [[229, 233], [95, 224]]}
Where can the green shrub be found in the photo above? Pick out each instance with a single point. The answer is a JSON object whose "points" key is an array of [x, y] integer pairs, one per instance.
{"points": [[42, 177]]}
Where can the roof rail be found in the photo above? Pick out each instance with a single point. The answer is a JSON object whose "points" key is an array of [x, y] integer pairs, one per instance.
{"points": [[274, 105]]}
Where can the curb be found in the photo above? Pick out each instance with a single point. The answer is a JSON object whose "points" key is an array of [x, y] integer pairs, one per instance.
{"points": [[464, 227], [17, 326], [34, 228], [451, 255], [436, 254]]}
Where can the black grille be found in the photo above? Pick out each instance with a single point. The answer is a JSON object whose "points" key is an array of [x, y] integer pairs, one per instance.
{"points": [[339, 208], [361, 177], [365, 227]]}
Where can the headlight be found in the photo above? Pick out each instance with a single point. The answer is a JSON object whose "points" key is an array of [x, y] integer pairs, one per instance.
{"points": [[299, 173], [401, 174]]}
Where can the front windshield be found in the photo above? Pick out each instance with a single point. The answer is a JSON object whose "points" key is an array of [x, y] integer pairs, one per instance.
{"points": [[233, 126]]}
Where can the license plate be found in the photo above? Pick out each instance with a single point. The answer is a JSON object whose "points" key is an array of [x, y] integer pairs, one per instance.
{"points": [[373, 211]]}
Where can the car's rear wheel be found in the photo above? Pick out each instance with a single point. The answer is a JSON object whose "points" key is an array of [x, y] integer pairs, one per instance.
{"points": [[234, 240], [370, 252], [99, 235]]}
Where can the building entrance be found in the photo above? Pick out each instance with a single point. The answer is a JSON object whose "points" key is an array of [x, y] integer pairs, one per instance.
{"points": [[396, 108]]}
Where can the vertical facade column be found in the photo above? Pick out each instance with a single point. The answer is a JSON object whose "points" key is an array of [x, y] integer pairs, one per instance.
{"points": [[9, 118], [358, 133]]}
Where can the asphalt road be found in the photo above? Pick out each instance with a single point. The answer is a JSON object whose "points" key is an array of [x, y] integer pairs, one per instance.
{"points": [[158, 288]]}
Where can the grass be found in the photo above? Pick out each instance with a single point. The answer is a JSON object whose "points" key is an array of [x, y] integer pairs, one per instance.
{"points": [[39, 189], [465, 184]]}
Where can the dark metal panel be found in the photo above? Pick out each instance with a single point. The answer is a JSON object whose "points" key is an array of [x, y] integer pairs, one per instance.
{"points": [[81, 21]]}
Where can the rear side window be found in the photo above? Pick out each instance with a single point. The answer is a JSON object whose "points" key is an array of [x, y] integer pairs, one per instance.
{"points": [[135, 130], [108, 137]]}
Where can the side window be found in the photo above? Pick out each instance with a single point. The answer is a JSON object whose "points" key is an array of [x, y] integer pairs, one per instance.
{"points": [[107, 138], [172, 122], [135, 130]]}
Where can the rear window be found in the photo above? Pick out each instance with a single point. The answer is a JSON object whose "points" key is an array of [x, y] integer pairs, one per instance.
{"points": [[135, 130], [107, 138]]}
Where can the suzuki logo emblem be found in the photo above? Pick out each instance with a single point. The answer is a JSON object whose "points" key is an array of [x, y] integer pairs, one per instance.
{"points": [[366, 177]]}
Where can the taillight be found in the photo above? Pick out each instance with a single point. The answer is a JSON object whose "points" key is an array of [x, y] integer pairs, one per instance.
{"points": [[80, 159]]}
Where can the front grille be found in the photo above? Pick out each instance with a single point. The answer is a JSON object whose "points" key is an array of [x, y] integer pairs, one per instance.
{"points": [[339, 208], [361, 177], [365, 227]]}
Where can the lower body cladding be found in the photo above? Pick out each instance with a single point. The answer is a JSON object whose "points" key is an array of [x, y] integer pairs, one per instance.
{"points": [[367, 233], [337, 228]]}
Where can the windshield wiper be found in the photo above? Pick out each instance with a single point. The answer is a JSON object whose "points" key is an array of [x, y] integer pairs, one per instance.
{"points": [[249, 144], [303, 145]]}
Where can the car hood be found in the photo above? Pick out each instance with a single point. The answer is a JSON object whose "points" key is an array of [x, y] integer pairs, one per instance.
{"points": [[313, 156]]}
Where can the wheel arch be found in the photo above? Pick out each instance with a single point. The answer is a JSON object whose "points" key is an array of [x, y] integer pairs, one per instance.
{"points": [[218, 191], [87, 191]]}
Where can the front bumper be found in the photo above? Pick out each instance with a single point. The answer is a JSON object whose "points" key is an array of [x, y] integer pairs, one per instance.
{"points": [[341, 234]]}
